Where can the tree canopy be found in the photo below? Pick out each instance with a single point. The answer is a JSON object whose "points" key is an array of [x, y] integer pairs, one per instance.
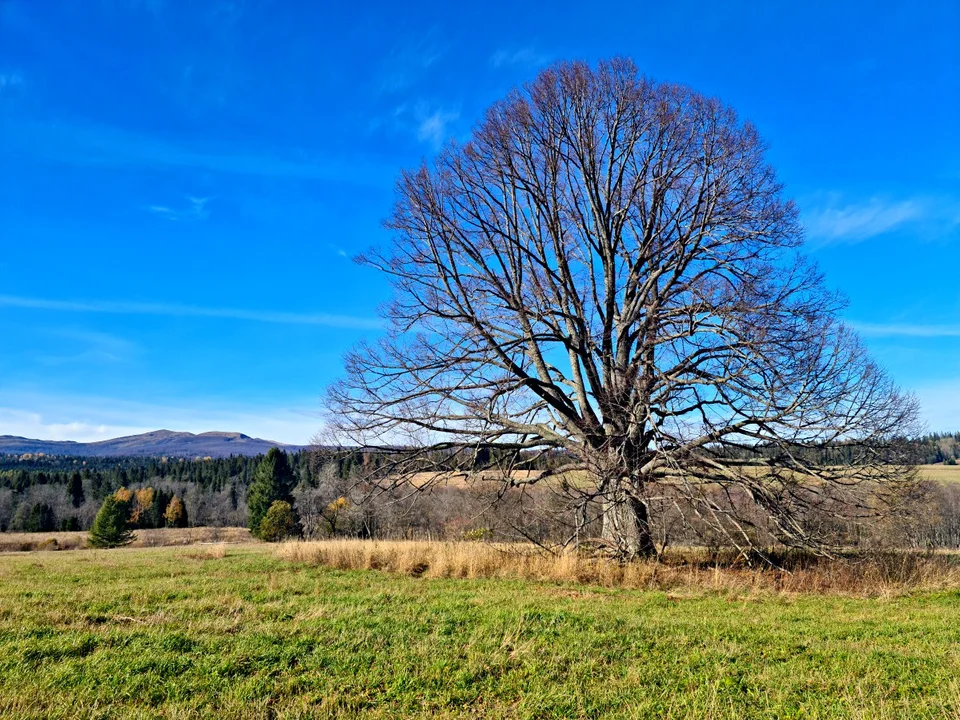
{"points": [[609, 270]]}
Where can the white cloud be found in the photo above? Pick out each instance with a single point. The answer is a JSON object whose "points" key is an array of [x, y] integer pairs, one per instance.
{"points": [[407, 62], [89, 347], [917, 330], [855, 222], [433, 128], [337, 250], [526, 57], [37, 426], [122, 307], [92, 145], [195, 209], [90, 418], [10, 80]]}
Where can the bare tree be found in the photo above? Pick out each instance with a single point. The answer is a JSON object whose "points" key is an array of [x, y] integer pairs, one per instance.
{"points": [[607, 275]]}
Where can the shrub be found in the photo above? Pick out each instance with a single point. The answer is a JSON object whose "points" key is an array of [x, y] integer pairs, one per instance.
{"points": [[278, 523], [110, 527], [477, 534]]}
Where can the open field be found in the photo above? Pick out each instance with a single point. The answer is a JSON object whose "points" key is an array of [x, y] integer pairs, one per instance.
{"points": [[19, 542], [680, 571], [237, 632], [936, 473], [940, 473]]}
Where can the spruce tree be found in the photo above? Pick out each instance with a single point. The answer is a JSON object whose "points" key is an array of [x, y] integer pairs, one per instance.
{"points": [[40, 519], [75, 490], [273, 480], [110, 526]]}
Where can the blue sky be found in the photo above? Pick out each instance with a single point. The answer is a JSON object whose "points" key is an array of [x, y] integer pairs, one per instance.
{"points": [[182, 184]]}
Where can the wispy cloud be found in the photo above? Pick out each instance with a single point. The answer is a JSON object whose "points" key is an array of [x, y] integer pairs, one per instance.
{"points": [[434, 127], [105, 146], [196, 209], [526, 57], [10, 80], [152, 6], [176, 310], [855, 222], [87, 418], [916, 330], [38, 426], [88, 347], [407, 62]]}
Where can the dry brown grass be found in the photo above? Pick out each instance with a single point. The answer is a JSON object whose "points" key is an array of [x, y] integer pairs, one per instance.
{"points": [[463, 479], [940, 473], [207, 552], [936, 473], [27, 542], [687, 571]]}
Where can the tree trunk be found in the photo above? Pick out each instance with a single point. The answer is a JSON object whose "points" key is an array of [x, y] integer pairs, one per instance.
{"points": [[626, 526]]}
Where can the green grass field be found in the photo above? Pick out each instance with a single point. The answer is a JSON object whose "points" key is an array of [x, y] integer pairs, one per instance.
{"points": [[183, 633]]}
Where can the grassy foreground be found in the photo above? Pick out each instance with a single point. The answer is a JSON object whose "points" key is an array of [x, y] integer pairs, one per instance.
{"points": [[240, 633]]}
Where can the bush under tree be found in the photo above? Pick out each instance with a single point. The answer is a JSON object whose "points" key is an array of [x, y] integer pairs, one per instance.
{"points": [[273, 480], [279, 523]]}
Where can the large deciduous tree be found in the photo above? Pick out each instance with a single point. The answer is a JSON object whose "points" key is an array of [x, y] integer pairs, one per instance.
{"points": [[608, 272]]}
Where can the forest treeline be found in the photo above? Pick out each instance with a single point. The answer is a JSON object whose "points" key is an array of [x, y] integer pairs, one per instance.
{"points": [[41, 493]]}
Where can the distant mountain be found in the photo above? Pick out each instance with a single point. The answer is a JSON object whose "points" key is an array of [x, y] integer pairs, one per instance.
{"points": [[152, 444]]}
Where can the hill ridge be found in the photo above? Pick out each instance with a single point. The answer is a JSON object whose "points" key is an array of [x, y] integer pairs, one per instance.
{"points": [[156, 443]]}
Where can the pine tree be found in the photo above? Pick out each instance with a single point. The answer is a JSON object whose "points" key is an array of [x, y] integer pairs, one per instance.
{"points": [[75, 490], [156, 516], [110, 526], [272, 481], [40, 519]]}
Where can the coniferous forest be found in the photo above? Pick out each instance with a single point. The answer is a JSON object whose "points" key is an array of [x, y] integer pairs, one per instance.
{"points": [[43, 493]]}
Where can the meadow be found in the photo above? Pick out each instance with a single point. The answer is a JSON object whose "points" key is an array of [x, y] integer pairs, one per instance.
{"points": [[940, 473], [253, 631], [150, 537]]}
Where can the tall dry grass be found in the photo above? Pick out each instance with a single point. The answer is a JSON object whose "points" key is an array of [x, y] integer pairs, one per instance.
{"points": [[158, 537], [883, 574]]}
